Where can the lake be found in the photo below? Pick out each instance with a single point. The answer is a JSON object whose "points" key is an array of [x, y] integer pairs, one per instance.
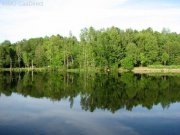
{"points": [[89, 104]]}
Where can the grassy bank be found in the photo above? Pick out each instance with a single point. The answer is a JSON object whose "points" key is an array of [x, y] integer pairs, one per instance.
{"points": [[49, 70], [164, 67], [150, 69], [24, 69], [157, 69]]}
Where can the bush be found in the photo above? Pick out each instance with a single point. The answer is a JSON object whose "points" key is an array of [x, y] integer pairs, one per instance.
{"points": [[127, 63]]}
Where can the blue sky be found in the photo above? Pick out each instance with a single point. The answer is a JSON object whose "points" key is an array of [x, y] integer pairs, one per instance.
{"points": [[21, 19]]}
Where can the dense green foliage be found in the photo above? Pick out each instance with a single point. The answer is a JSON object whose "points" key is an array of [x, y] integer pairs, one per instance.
{"points": [[108, 48], [95, 91], [127, 63]]}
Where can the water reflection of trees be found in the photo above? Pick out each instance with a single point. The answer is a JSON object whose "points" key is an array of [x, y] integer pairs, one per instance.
{"points": [[97, 91]]}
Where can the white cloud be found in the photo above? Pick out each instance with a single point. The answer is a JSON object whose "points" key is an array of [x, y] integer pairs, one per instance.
{"points": [[61, 16]]}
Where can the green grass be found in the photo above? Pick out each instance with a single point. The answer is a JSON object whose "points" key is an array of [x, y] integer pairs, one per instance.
{"points": [[24, 69], [82, 70], [164, 67], [123, 70], [50, 69]]}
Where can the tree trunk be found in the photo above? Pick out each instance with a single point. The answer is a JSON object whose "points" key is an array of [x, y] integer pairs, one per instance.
{"points": [[19, 61], [10, 64], [64, 59], [32, 64], [67, 64], [72, 60]]}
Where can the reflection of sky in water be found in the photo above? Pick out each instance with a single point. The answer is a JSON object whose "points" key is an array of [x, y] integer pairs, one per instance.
{"points": [[19, 115]]}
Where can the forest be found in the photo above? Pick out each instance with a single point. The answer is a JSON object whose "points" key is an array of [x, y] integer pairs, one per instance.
{"points": [[110, 48]]}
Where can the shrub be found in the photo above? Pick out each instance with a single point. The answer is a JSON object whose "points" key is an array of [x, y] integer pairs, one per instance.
{"points": [[127, 63]]}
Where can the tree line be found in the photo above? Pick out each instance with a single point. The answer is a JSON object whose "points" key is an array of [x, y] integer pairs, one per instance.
{"points": [[108, 48]]}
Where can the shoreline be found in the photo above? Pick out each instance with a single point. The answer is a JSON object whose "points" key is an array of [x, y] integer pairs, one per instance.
{"points": [[144, 70], [137, 70], [46, 70]]}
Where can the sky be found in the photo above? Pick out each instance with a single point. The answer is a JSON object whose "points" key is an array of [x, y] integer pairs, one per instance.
{"points": [[24, 19]]}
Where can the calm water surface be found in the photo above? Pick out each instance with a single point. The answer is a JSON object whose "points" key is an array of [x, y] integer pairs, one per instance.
{"points": [[89, 104]]}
